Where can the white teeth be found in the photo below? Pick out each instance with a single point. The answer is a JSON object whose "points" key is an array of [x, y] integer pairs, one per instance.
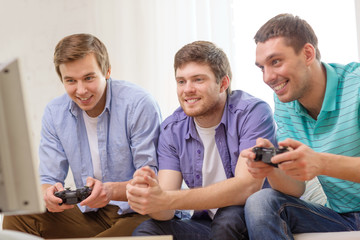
{"points": [[84, 99], [280, 86], [191, 100]]}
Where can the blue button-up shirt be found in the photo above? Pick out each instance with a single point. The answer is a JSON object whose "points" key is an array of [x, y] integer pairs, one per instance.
{"points": [[245, 118], [127, 129]]}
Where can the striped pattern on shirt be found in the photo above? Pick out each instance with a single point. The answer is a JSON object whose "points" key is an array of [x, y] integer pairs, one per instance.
{"points": [[336, 130]]}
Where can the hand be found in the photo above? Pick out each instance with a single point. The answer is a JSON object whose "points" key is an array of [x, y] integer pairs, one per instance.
{"points": [[52, 203], [257, 169], [302, 163], [100, 195], [144, 193], [140, 176]]}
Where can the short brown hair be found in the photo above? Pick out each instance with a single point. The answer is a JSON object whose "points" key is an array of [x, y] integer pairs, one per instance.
{"points": [[77, 46], [296, 31], [207, 53]]}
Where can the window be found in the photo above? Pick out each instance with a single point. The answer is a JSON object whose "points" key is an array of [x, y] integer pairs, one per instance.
{"points": [[334, 23]]}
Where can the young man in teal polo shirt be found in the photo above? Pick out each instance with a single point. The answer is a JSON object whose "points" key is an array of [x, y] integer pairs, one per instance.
{"points": [[317, 114]]}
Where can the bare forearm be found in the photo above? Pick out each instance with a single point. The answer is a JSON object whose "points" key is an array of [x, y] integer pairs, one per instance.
{"points": [[342, 167], [118, 190], [286, 184], [44, 187], [233, 191]]}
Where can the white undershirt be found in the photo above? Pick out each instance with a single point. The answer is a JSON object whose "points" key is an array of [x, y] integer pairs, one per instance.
{"points": [[213, 168], [91, 129]]}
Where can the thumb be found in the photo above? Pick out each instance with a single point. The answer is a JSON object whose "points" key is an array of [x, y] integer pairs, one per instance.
{"points": [[290, 143], [90, 181]]}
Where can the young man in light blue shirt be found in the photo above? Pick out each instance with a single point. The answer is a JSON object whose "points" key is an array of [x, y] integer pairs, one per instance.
{"points": [[317, 114], [103, 130]]}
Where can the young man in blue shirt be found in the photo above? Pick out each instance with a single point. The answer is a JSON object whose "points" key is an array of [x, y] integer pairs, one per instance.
{"points": [[200, 143], [103, 130], [317, 114]]}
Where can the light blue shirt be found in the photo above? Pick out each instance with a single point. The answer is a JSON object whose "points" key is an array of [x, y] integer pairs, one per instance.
{"points": [[336, 131], [128, 130]]}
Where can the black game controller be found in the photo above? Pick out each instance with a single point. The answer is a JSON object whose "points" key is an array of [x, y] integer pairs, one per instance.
{"points": [[265, 154], [73, 196]]}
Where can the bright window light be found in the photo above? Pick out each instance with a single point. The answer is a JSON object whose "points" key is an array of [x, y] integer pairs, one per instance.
{"points": [[333, 21]]}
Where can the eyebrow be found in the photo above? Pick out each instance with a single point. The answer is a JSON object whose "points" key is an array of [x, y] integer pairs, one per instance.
{"points": [[268, 58], [192, 76], [86, 75]]}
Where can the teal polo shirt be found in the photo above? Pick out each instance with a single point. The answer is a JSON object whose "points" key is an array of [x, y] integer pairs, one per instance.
{"points": [[336, 131]]}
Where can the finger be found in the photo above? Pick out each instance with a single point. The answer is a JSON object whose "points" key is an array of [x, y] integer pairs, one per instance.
{"points": [[262, 142], [133, 190], [95, 191], [58, 187], [290, 143], [138, 180], [247, 153], [152, 182], [90, 181], [147, 171]]}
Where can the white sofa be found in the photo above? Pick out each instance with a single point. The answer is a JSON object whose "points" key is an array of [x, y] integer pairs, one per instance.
{"points": [[354, 235]]}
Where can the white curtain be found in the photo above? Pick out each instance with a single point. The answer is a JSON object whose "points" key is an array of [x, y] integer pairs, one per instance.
{"points": [[357, 13], [143, 36]]}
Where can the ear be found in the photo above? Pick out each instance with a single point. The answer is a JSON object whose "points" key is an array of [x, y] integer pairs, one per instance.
{"points": [[225, 83], [108, 74], [309, 53]]}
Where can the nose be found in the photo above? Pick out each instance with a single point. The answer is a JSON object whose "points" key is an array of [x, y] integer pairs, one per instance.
{"points": [[189, 87], [268, 75], [81, 88]]}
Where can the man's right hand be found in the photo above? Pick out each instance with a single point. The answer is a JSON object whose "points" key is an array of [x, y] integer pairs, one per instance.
{"points": [[52, 202], [257, 169]]}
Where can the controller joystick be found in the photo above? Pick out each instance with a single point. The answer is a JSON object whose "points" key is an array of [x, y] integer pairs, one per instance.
{"points": [[73, 196], [265, 154]]}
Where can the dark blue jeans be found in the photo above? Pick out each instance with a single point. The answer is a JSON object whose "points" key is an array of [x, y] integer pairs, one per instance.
{"points": [[270, 214], [228, 223]]}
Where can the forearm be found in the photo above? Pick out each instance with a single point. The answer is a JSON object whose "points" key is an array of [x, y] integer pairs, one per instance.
{"points": [[118, 190], [233, 191], [342, 167], [278, 180], [44, 187]]}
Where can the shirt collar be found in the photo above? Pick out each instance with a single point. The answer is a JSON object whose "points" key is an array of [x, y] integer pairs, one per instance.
{"points": [[328, 104], [75, 110]]}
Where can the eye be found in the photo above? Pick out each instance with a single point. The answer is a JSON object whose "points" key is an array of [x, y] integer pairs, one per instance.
{"points": [[180, 82], [261, 68], [275, 61], [69, 80], [88, 78]]}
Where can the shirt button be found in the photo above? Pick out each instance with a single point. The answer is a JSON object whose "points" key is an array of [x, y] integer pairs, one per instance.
{"points": [[197, 176], [198, 151]]}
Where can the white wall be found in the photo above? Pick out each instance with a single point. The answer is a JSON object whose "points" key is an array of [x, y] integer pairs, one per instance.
{"points": [[142, 37], [30, 29]]}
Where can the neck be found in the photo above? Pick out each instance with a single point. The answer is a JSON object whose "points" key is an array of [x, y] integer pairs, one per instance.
{"points": [[213, 116], [315, 96]]}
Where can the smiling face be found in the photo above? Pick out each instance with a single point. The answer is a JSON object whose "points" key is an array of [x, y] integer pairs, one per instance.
{"points": [[85, 84], [200, 96], [286, 72]]}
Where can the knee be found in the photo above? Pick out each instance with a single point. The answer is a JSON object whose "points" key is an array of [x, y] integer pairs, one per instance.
{"points": [[148, 228], [261, 200], [229, 220], [229, 215]]}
